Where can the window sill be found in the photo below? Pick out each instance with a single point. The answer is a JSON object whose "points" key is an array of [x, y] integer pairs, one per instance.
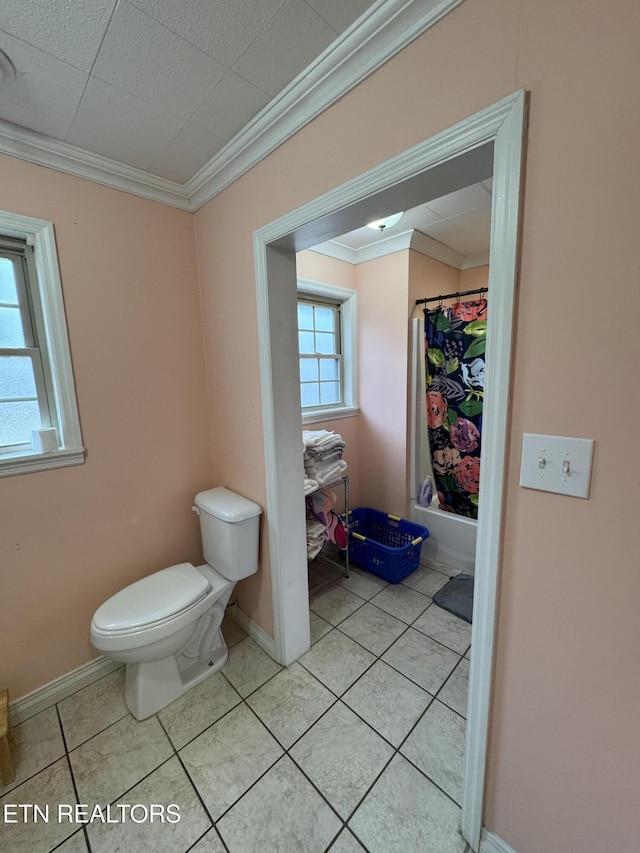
{"points": [[330, 414], [24, 463]]}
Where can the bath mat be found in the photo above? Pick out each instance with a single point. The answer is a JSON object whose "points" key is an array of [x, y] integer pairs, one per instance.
{"points": [[457, 597]]}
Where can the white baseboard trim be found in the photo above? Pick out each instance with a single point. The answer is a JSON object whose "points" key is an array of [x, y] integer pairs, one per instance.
{"points": [[58, 689], [256, 633], [490, 843]]}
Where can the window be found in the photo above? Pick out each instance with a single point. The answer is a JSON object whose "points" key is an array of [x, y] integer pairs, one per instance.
{"points": [[36, 379], [326, 343]]}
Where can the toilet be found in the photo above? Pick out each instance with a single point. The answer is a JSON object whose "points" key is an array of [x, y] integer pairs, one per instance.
{"points": [[166, 626]]}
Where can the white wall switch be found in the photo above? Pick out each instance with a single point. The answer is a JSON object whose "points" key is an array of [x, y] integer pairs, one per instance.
{"points": [[554, 463]]}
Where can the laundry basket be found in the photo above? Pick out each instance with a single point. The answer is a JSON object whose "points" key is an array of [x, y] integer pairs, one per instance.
{"points": [[385, 545]]}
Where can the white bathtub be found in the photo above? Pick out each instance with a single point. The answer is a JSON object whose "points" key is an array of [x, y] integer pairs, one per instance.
{"points": [[452, 538]]}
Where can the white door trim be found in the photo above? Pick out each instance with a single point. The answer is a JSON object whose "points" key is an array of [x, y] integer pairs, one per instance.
{"points": [[501, 126]]}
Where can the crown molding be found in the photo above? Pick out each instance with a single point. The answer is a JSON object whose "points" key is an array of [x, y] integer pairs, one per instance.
{"points": [[411, 239], [45, 151], [388, 27]]}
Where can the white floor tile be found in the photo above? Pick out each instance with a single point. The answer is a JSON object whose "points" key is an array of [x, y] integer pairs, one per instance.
{"points": [[334, 603], [402, 602], [111, 762], [48, 789], [388, 701], [427, 581], [226, 759], [319, 627], [282, 813], [405, 812], [342, 756], [197, 709], [290, 703], [362, 583], [168, 785], [422, 659], [446, 628], [93, 708], [337, 661], [36, 743], [455, 692], [249, 667], [373, 628], [209, 843], [436, 746], [346, 842]]}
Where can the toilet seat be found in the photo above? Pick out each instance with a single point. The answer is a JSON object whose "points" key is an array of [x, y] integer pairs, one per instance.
{"points": [[155, 599]]}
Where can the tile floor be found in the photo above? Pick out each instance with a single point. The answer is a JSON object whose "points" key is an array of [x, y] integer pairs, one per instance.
{"points": [[358, 746]]}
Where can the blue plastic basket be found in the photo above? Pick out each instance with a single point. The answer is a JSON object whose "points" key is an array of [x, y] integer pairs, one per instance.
{"points": [[385, 545]]}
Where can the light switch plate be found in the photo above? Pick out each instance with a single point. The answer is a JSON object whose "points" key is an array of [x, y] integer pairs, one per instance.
{"points": [[555, 463]]}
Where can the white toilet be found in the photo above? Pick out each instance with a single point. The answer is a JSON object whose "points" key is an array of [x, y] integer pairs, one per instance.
{"points": [[166, 626]]}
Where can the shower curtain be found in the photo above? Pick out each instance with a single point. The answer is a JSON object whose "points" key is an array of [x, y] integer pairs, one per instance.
{"points": [[455, 346]]}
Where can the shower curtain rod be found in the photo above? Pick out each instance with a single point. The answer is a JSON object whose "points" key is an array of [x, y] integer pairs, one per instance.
{"points": [[457, 294]]}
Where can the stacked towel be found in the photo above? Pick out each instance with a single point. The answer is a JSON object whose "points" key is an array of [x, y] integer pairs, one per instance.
{"points": [[315, 538], [323, 455], [310, 486]]}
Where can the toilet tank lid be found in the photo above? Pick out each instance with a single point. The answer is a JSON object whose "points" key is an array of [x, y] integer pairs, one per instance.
{"points": [[227, 505], [152, 598]]}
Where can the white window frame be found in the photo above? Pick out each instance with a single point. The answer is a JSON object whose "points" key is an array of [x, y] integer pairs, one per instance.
{"points": [[45, 292], [348, 301]]}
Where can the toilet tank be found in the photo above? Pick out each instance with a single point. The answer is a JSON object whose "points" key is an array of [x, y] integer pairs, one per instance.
{"points": [[229, 525]]}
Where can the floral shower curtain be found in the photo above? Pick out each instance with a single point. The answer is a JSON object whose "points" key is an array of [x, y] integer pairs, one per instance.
{"points": [[455, 346]]}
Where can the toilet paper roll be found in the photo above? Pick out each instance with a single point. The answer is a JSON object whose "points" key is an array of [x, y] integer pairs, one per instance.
{"points": [[44, 440]]}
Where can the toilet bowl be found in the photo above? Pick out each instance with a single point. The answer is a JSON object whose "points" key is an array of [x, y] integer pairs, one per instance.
{"points": [[166, 626]]}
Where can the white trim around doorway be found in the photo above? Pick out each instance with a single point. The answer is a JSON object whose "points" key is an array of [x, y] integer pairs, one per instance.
{"points": [[496, 133]]}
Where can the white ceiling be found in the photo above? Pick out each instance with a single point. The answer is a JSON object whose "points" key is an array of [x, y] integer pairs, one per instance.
{"points": [[160, 85], [460, 221]]}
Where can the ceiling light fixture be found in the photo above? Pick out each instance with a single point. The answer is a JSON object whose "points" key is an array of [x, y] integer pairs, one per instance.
{"points": [[385, 222]]}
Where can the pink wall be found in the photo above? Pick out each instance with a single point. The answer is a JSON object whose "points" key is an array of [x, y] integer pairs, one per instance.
{"points": [[74, 536], [383, 346], [564, 760]]}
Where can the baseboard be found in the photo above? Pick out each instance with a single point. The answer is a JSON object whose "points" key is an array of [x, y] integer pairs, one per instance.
{"points": [[256, 633], [46, 696], [490, 843]]}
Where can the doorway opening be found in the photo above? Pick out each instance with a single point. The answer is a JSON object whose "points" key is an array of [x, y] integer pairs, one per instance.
{"points": [[490, 142]]}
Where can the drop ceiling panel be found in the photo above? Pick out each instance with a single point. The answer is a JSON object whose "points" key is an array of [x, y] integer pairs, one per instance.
{"points": [[142, 130], [469, 198], [168, 72], [225, 112], [284, 48], [223, 30], [475, 226], [71, 31], [339, 14], [43, 84]]}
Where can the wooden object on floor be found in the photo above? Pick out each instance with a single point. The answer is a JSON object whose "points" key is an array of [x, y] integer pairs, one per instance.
{"points": [[7, 774]]}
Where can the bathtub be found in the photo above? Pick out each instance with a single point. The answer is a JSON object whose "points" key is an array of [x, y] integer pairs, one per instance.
{"points": [[452, 538]]}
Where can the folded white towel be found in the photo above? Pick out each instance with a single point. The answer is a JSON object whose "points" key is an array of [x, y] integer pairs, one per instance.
{"points": [[310, 485], [319, 438], [334, 472]]}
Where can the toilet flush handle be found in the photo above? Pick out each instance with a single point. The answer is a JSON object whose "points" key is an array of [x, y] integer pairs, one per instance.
{"points": [[195, 509]]}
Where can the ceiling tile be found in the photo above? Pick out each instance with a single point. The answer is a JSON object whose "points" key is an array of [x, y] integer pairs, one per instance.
{"points": [[183, 156], [468, 198], [43, 83], [38, 122], [144, 58], [118, 125], [338, 14], [475, 228], [70, 30], [231, 105], [294, 37], [223, 29]]}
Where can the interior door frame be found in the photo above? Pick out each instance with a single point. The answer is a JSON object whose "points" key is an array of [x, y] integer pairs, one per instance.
{"points": [[441, 164]]}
